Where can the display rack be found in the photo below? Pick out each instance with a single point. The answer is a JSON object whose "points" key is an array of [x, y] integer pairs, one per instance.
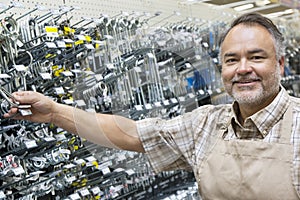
{"points": [[139, 59]]}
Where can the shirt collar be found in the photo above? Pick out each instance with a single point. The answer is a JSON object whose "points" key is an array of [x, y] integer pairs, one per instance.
{"points": [[266, 118]]}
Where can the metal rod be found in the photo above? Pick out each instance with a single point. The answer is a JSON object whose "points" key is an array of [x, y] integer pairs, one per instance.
{"points": [[26, 14]]}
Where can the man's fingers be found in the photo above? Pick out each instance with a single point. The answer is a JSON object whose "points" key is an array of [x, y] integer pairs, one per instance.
{"points": [[11, 113], [26, 97]]}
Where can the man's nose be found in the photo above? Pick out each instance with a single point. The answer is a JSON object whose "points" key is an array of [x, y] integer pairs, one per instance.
{"points": [[244, 67]]}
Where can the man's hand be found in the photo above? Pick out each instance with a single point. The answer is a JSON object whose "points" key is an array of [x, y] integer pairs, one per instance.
{"points": [[42, 107]]}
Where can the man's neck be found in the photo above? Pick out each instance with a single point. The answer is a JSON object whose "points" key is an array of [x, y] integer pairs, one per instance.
{"points": [[247, 110]]}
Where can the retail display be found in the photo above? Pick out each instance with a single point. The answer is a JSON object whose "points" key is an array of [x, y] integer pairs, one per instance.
{"points": [[116, 65]]}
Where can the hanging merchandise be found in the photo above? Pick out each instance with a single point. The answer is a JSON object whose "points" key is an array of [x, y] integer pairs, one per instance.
{"points": [[47, 54], [117, 65]]}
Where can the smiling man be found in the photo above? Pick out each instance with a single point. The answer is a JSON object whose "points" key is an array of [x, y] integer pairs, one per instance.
{"points": [[251, 70], [247, 150]]}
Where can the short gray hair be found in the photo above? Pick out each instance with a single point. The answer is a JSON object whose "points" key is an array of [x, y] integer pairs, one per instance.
{"points": [[252, 19]]}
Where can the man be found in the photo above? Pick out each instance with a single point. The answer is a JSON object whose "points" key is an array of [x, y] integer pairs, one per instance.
{"points": [[239, 151]]}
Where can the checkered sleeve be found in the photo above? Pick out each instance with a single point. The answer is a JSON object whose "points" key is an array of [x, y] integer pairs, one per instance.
{"points": [[168, 143]]}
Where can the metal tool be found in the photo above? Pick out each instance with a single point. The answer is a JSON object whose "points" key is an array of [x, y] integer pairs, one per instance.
{"points": [[23, 109]]}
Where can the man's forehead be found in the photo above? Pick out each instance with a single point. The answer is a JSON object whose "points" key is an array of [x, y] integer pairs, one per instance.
{"points": [[245, 34], [243, 26]]}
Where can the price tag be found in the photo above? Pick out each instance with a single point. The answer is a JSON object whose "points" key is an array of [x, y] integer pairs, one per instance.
{"points": [[68, 41], [188, 65], [119, 170], [84, 192], [60, 137], [61, 44], [90, 159], [110, 66], [59, 90], [99, 77], [59, 130], [76, 70], [79, 161], [118, 188], [198, 57], [19, 43], [24, 112], [148, 106], [51, 31], [141, 61], [49, 139], [218, 90], [105, 164], [89, 46], [121, 157], [89, 72], [115, 195], [67, 73], [81, 37], [157, 104], [205, 44], [71, 179], [20, 68], [201, 92], [209, 92], [162, 72], [68, 101], [74, 196], [18, 170], [30, 144], [108, 37], [51, 45], [130, 172], [191, 95], [166, 102], [95, 190], [69, 166], [173, 100], [138, 107], [100, 43], [4, 76], [106, 170], [215, 60], [46, 76], [80, 102]]}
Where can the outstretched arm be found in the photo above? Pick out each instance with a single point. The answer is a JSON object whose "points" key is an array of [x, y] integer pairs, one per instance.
{"points": [[106, 130]]}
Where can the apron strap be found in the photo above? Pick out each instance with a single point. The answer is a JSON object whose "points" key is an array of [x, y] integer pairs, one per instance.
{"points": [[286, 126]]}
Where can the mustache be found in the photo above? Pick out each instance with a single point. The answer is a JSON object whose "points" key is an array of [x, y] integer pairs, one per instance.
{"points": [[247, 78]]}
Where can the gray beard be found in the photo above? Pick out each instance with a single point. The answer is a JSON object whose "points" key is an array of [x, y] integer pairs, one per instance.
{"points": [[257, 97]]}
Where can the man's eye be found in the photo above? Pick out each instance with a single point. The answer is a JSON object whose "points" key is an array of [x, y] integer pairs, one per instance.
{"points": [[256, 57], [231, 60]]}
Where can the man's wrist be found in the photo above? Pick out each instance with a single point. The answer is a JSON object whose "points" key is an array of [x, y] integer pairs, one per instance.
{"points": [[57, 109]]}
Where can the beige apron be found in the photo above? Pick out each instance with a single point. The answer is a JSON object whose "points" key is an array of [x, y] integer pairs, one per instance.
{"points": [[245, 169]]}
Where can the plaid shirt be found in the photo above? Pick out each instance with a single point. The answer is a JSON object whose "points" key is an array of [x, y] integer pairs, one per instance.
{"points": [[184, 142]]}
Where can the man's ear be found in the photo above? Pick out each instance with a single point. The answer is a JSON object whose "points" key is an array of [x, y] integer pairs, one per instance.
{"points": [[281, 64]]}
